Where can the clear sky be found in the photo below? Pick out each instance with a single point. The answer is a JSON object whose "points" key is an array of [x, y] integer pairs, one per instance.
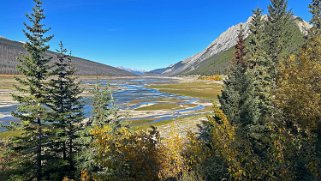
{"points": [[141, 34]]}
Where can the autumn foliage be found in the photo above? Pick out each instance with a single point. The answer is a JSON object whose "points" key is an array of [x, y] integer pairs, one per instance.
{"points": [[136, 155]]}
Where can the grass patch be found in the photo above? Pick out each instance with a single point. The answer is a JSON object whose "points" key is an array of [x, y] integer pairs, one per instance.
{"points": [[171, 100], [146, 124], [137, 123], [155, 124], [7, 87], [9, 134], [6, 170], [8, 81], [199, 89]]}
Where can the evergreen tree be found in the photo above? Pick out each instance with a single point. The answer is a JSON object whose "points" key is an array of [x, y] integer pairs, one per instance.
{"points": [[315, 9], [31, 109], [315, 31], [66, 109], [258, 103], [258, 130], [256, 43], [252, 147], [104, 113], [299, 99], [277, 35], [231, 98], [104, 108], [276, 29]]}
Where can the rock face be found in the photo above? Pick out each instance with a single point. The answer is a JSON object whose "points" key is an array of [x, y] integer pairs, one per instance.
{"points": [[11, 50], [225, 41], [303, 25]]}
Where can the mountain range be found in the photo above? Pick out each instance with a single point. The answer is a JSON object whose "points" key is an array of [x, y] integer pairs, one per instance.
{"points": [[216, 57], [11, 50]]}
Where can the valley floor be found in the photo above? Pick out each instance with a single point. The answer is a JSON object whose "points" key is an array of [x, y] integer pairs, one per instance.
{"points": [[145, 115]]}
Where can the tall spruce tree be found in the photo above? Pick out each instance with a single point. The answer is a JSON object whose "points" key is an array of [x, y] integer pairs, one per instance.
{"points": [[258, 98], [66, 112], [258, 107], [231, 98], [276, 29], [315, 10], [31, 109], [315, 31], [277, 35]]}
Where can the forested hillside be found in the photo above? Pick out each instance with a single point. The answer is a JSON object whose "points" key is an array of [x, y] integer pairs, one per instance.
{"points": [[218, 63], [218, 55], [11, 50]]}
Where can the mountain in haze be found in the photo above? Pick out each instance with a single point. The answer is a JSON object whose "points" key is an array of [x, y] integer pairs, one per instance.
{"points": [[216, 57], [133, 71], [155, 72], [10, 50]]}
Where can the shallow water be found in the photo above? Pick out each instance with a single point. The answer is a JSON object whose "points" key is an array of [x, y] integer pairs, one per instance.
{"points": [[129, 91]]}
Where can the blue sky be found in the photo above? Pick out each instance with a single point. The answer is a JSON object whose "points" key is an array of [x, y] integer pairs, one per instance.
{"points": [[141, 34]]}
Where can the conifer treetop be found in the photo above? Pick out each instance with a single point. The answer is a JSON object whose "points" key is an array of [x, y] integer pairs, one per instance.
{"points": [[36, 32], [240, 48], [277, 9]]}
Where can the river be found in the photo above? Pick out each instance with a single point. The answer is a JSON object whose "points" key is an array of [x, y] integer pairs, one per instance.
{"points": [[131, 94]]}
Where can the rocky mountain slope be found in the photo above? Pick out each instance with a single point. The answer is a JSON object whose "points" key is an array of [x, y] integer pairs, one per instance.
{"points": [[10, 50], [156, 71], [215, 57]]}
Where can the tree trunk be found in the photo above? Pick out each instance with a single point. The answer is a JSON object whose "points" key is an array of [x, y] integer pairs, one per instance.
{"points": [[70, 148], [64, 150], [39, 145]]}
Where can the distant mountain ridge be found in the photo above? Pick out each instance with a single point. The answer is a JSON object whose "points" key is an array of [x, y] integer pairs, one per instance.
{"points": [[10, 50], [220, 51], [133, 71]]}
